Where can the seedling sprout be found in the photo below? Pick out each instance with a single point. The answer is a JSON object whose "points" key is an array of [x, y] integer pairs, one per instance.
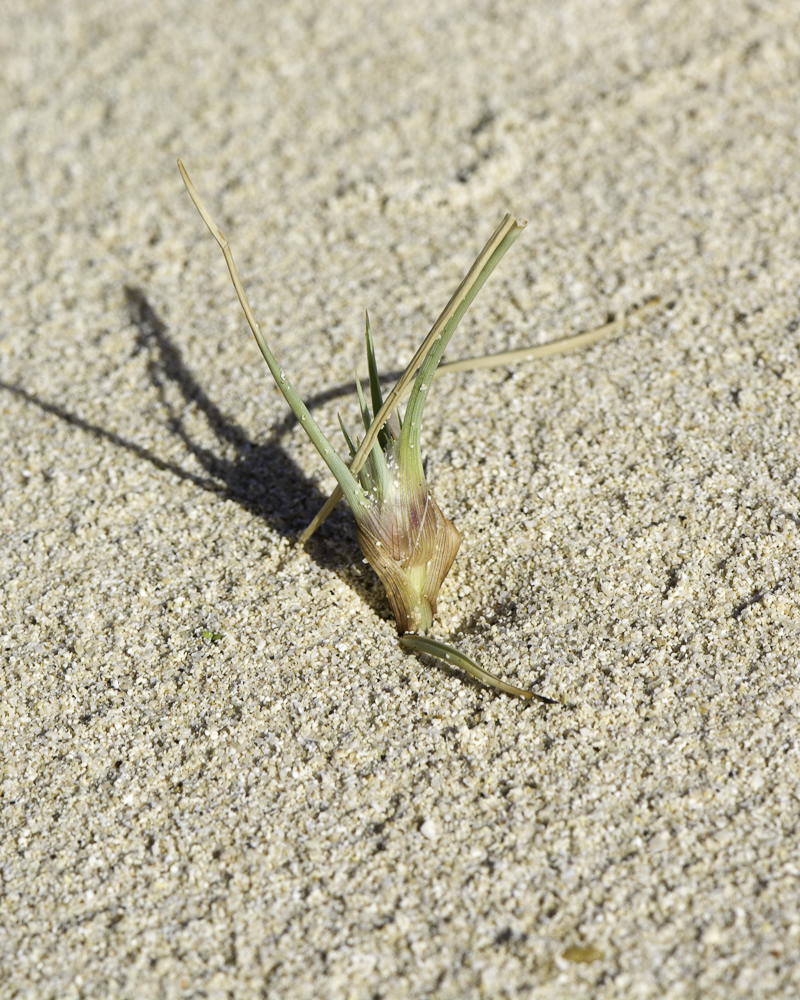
{"points": [[401, 530]]}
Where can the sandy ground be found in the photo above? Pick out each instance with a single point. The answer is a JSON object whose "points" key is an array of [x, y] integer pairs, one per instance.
{"points": [[299, 808]]}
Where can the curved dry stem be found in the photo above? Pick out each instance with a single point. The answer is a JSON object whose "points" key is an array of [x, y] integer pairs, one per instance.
{"points": [[546, 350], [424, 644]]}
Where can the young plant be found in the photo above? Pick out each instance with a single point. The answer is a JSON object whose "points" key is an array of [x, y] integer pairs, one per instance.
{"points": [[402, 532]]}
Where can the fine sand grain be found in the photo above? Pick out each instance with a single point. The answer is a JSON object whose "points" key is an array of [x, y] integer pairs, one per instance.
{"points": [[299, 809]]}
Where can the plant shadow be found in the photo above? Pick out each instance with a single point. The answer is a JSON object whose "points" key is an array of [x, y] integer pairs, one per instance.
{"points": [[259, 476]]}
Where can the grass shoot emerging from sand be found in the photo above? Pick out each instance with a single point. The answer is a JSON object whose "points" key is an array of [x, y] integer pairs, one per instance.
{"points": [[402, 532]]}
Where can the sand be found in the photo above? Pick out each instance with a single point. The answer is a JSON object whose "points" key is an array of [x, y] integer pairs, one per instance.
{"points": [[221, 775]]}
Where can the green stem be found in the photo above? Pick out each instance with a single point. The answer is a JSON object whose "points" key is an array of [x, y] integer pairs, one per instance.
{"points": [[484, 264], [492, 254], [424, 644], [348, 484]]}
